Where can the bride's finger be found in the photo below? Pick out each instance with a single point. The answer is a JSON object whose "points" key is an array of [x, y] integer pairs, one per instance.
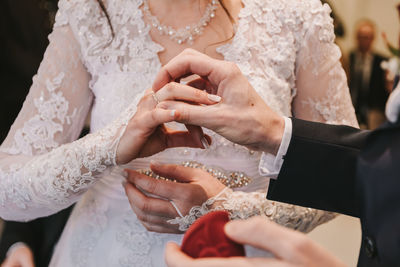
{"points": [[197, 134], [203, 84], [185, 139], [156, 117], [156, 221], [146, 204], [162, 139], [206, 116], [183, 92], [160, 229]]}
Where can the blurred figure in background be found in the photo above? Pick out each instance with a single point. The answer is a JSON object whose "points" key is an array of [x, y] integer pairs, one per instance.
{"points": [[24, 26], [367, 78]]}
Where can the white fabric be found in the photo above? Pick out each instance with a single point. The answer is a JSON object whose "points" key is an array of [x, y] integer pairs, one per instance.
{"points": [[393, 105], [272, 164], [284, 47]]}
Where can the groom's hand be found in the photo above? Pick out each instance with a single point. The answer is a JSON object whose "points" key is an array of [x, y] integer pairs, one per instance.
{"points": [[241, 116], [290, 248]]}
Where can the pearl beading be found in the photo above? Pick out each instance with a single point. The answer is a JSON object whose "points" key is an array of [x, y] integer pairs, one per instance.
{"points": [[230, 179], [184, 34]]}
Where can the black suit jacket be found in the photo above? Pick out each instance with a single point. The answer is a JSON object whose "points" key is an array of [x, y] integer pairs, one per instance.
{"points": [[354, 172]]}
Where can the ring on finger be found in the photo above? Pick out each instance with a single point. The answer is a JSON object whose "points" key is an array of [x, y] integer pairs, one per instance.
{"points": [[155, 97], [176, 208]]}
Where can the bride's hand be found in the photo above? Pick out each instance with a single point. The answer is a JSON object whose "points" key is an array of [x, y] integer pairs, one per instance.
{"points": [[242, 116], [193, 188], [146, 135]]}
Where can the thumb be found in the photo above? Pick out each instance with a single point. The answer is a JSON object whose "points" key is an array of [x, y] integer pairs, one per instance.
{"points": [[262, 233], [174, 257]]}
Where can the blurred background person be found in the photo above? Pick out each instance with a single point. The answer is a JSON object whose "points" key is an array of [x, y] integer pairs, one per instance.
{"points": [[367, 78], [24, 27]]}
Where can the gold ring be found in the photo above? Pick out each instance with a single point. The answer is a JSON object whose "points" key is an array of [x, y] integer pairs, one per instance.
{"points": [[155, 97]]}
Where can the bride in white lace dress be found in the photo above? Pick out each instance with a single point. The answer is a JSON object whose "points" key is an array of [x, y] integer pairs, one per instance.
{"points": [[103, 64]]}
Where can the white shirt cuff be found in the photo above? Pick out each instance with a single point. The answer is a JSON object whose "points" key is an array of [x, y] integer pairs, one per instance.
{"points": [[270, 165]]}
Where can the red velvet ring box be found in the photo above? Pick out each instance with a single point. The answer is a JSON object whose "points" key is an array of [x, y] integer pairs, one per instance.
{"points": [[206, 238]]}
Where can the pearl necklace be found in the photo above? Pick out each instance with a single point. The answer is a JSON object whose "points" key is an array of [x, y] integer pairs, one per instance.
{"points": [[187, 33]]}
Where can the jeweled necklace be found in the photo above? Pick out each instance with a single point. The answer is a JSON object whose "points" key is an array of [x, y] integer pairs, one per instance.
{"points": [[184, 34]]}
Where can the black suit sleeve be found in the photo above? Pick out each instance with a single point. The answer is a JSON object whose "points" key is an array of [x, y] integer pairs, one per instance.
{"points": [[319, 168]]}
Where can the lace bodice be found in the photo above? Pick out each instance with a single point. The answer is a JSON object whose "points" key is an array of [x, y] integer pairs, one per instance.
{"points": [[284, 47]]}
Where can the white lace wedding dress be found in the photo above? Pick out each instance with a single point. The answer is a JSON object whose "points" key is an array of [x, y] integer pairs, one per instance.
{"points": [[284, 47]]}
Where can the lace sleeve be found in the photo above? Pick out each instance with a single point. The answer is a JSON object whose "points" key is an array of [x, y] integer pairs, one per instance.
{"points": [[322, 90], [42, 168], [242, 205], [322, 95]]}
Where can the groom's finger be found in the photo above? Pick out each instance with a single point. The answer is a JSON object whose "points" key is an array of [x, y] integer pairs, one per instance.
{"points": [[192, 62]]}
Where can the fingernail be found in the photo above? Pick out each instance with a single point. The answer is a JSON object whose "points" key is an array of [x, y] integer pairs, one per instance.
{"points": [[214, 98], [204, 142], [230, 227], [125, 174], [172, 113], [227, 228]]}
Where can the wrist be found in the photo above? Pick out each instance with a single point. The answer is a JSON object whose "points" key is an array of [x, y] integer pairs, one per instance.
{"points": [[126, 150], [273, 135]]}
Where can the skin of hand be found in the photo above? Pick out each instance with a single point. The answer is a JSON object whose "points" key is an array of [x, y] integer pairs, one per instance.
{"points": [[19, 257], [241, 116], [290, 248], [146, 135], [193, 188]]}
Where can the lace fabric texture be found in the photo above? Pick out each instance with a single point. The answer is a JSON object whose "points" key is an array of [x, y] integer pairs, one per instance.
{"points": [[284, 47]]}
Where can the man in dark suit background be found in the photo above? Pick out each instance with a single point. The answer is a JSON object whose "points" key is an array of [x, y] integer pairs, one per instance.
{"points": [[367, 78], [331, 167], [24, 27]]}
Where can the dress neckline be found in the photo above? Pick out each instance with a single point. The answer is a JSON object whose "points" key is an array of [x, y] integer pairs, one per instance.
{"points": [[218, 49]]}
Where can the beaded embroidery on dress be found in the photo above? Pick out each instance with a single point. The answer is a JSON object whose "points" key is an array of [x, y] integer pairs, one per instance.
{"points": [[284, 47]]}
